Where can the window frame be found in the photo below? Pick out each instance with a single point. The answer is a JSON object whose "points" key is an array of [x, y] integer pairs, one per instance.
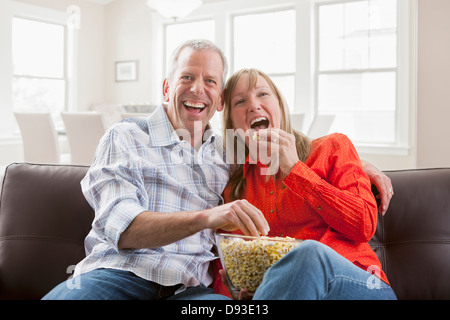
{"points": [[256, 11], [164, 38], [65, 59], [9, 133], [401, 144], [305, 75]]}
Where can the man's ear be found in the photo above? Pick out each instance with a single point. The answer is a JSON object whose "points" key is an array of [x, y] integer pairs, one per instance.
{"points": [[166, 90], [221, 101]]}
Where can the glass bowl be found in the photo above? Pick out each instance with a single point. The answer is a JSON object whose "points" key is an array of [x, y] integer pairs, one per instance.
{"points": [[246, 259]]}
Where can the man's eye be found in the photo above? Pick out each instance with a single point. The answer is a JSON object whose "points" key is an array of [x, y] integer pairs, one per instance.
{"points": [[186, 77]]}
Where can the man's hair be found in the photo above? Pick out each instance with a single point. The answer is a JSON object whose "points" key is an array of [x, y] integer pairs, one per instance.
{"points": [[197, 44]]}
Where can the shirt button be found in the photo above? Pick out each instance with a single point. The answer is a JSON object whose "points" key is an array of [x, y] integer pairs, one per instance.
{"points": [[271, 192], [319, 208], [271, 211]]}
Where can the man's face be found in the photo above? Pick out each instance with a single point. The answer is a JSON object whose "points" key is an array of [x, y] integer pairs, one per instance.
{"points": [[194, 93]]}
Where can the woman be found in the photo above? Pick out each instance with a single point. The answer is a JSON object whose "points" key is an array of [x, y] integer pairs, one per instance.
{"points": [[316, 191]]}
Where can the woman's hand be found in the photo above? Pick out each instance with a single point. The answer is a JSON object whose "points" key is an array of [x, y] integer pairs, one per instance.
{"points": [[383, 184], [242, 295], [280, 148]]}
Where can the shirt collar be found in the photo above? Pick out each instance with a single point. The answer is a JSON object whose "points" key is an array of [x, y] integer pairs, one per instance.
{"points": [[248, 164], [161, 131]]}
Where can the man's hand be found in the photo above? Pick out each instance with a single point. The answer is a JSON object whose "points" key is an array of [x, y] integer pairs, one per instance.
{"points": [[239, 214]]}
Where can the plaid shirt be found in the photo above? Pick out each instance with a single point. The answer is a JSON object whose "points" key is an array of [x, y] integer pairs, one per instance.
{"points": [[142, 165]]}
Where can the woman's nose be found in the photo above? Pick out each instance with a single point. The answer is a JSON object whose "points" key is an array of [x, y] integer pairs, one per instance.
{"points": [[253, 105]]}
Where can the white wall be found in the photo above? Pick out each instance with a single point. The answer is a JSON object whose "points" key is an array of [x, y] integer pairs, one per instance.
{"points": [[433, 90], [129, 37]]}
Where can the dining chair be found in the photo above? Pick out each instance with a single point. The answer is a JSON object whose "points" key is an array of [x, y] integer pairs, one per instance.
{"points": [[84, 130], [39, 137], [320, 125]]}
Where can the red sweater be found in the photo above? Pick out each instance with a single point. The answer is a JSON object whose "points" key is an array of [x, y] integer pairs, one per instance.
{"points": [[328, 198]]}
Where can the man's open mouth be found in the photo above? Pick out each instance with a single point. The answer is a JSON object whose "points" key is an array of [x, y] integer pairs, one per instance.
{"points": [[194, 107], [259, 123]]}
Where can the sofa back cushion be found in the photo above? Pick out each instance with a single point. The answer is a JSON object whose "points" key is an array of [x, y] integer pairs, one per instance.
{"points": [[44, 219], [413, 238]]}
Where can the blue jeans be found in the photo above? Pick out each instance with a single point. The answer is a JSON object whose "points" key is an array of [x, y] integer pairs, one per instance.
{"points": [[313, 271], [310, 271], [110, 284]]}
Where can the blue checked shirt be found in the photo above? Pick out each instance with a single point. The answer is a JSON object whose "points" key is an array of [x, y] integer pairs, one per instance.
{"points": [[144, 166]]}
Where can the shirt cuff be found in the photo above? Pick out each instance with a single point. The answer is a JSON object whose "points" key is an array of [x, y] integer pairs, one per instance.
{"points": [[119, 220]]}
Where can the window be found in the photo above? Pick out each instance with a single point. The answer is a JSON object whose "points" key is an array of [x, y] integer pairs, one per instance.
{"points": [[180, 32], [350, 58], [357, 68], [38, 51], [269, 47]]}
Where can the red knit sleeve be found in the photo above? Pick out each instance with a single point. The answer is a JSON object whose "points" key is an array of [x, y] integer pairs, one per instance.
{"points": [[337, 187]]}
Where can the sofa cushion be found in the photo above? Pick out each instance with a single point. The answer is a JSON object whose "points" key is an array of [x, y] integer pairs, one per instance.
{"points": [[413, 238], [44, 219]]}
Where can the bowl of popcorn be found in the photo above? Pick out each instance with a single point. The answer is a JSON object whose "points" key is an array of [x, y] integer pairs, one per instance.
{"points": [[246, 259]]}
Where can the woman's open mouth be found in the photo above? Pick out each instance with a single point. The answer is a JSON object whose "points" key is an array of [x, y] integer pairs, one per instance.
{"points": [[259, 123]]}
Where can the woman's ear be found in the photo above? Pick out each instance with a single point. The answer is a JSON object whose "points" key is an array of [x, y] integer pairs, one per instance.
{"points": [[166, 90]]}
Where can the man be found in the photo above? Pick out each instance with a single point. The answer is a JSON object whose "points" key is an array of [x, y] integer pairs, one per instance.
{"points": [[155, 200], [156, 189]]}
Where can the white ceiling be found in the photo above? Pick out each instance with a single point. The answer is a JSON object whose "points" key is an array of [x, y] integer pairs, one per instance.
{"points": [[103, 2], [100, 1]]}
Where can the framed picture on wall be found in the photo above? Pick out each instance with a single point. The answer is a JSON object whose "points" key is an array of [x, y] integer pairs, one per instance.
{"points": [[126, 71]]}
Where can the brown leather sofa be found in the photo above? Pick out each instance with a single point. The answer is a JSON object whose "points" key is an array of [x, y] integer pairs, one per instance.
{"points": [[44, 219]]}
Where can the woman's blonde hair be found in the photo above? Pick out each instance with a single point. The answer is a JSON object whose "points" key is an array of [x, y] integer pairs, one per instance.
{"points": [[303, 143]]}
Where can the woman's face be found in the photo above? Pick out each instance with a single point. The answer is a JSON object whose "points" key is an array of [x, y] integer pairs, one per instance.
{"points": [[254, 108]]}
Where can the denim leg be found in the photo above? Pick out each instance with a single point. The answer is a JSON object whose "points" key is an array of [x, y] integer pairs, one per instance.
{"points": [[104, 284], [314, 271], [198, 293]]}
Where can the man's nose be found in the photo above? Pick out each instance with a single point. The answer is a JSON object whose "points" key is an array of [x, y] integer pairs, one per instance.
{"points": [[198, 87]]}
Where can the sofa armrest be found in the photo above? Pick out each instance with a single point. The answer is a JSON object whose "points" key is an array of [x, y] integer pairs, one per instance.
{"points": [[44, 219], [413, 238]]}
